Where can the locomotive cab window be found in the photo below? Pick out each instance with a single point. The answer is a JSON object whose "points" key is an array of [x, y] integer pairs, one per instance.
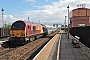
{"points": [[18, 25]]}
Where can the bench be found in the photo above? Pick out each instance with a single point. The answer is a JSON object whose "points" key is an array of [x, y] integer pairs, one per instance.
{"points": [[75, 42]]}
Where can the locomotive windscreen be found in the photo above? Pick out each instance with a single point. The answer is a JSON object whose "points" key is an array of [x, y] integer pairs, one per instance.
{"points": [[18, 26]]}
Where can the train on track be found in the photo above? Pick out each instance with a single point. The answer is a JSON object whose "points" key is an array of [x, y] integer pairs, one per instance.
{"points": [[50, 28], [23, 31]]}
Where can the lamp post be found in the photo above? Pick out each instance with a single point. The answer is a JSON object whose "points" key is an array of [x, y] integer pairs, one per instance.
{"points": [[68, 21], [2, 22], [28, 18], [39, 21], [45, 23], [65, 23]]}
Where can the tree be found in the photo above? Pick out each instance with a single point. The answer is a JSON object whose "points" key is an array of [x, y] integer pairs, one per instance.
{"points": [[7, 25]]}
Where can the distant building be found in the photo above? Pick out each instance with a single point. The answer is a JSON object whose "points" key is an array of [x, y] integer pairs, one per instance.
{"points": [[79, 17]]}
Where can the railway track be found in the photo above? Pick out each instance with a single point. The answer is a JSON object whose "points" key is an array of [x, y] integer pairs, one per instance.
{"points": [[6, 51], [7, 48], [24, 52]]}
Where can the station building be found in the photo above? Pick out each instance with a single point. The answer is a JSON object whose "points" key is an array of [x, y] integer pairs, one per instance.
{"points": [[79, 17]]}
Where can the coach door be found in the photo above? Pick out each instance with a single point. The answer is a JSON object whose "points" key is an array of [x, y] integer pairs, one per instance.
{"points": [[34, 29], [28, 30]]}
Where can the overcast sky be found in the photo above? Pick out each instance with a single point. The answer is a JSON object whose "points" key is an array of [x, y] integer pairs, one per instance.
{"points": [[49, 11]]}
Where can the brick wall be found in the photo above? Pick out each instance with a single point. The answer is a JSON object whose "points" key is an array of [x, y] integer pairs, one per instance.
{"points": [[80, 16]]}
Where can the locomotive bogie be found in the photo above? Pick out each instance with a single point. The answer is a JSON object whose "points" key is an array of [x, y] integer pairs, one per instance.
{"points": [[17, 41]]}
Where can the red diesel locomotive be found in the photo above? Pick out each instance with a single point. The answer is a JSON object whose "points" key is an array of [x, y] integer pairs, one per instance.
{"points": [[23, 31]]}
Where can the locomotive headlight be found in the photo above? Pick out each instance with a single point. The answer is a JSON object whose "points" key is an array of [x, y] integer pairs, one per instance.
{"points": [[12, 34], [22, 34]]}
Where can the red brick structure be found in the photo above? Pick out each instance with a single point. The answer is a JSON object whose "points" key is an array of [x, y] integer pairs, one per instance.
{"points": [[79, 17]]}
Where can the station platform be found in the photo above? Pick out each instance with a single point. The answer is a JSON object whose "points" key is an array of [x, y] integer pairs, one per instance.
{"points": [[67, 50], [61, 48]]}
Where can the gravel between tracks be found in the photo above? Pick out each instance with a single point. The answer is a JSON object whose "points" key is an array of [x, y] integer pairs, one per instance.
{"points": [[18, 53], [3, 49]]}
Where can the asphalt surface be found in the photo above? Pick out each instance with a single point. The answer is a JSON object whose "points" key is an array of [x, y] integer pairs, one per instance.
{"points": [[68, 52]]}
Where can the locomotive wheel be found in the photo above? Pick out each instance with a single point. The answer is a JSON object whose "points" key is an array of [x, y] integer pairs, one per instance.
{"points": [[37, 36], [31, 39], [25, 42]]}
